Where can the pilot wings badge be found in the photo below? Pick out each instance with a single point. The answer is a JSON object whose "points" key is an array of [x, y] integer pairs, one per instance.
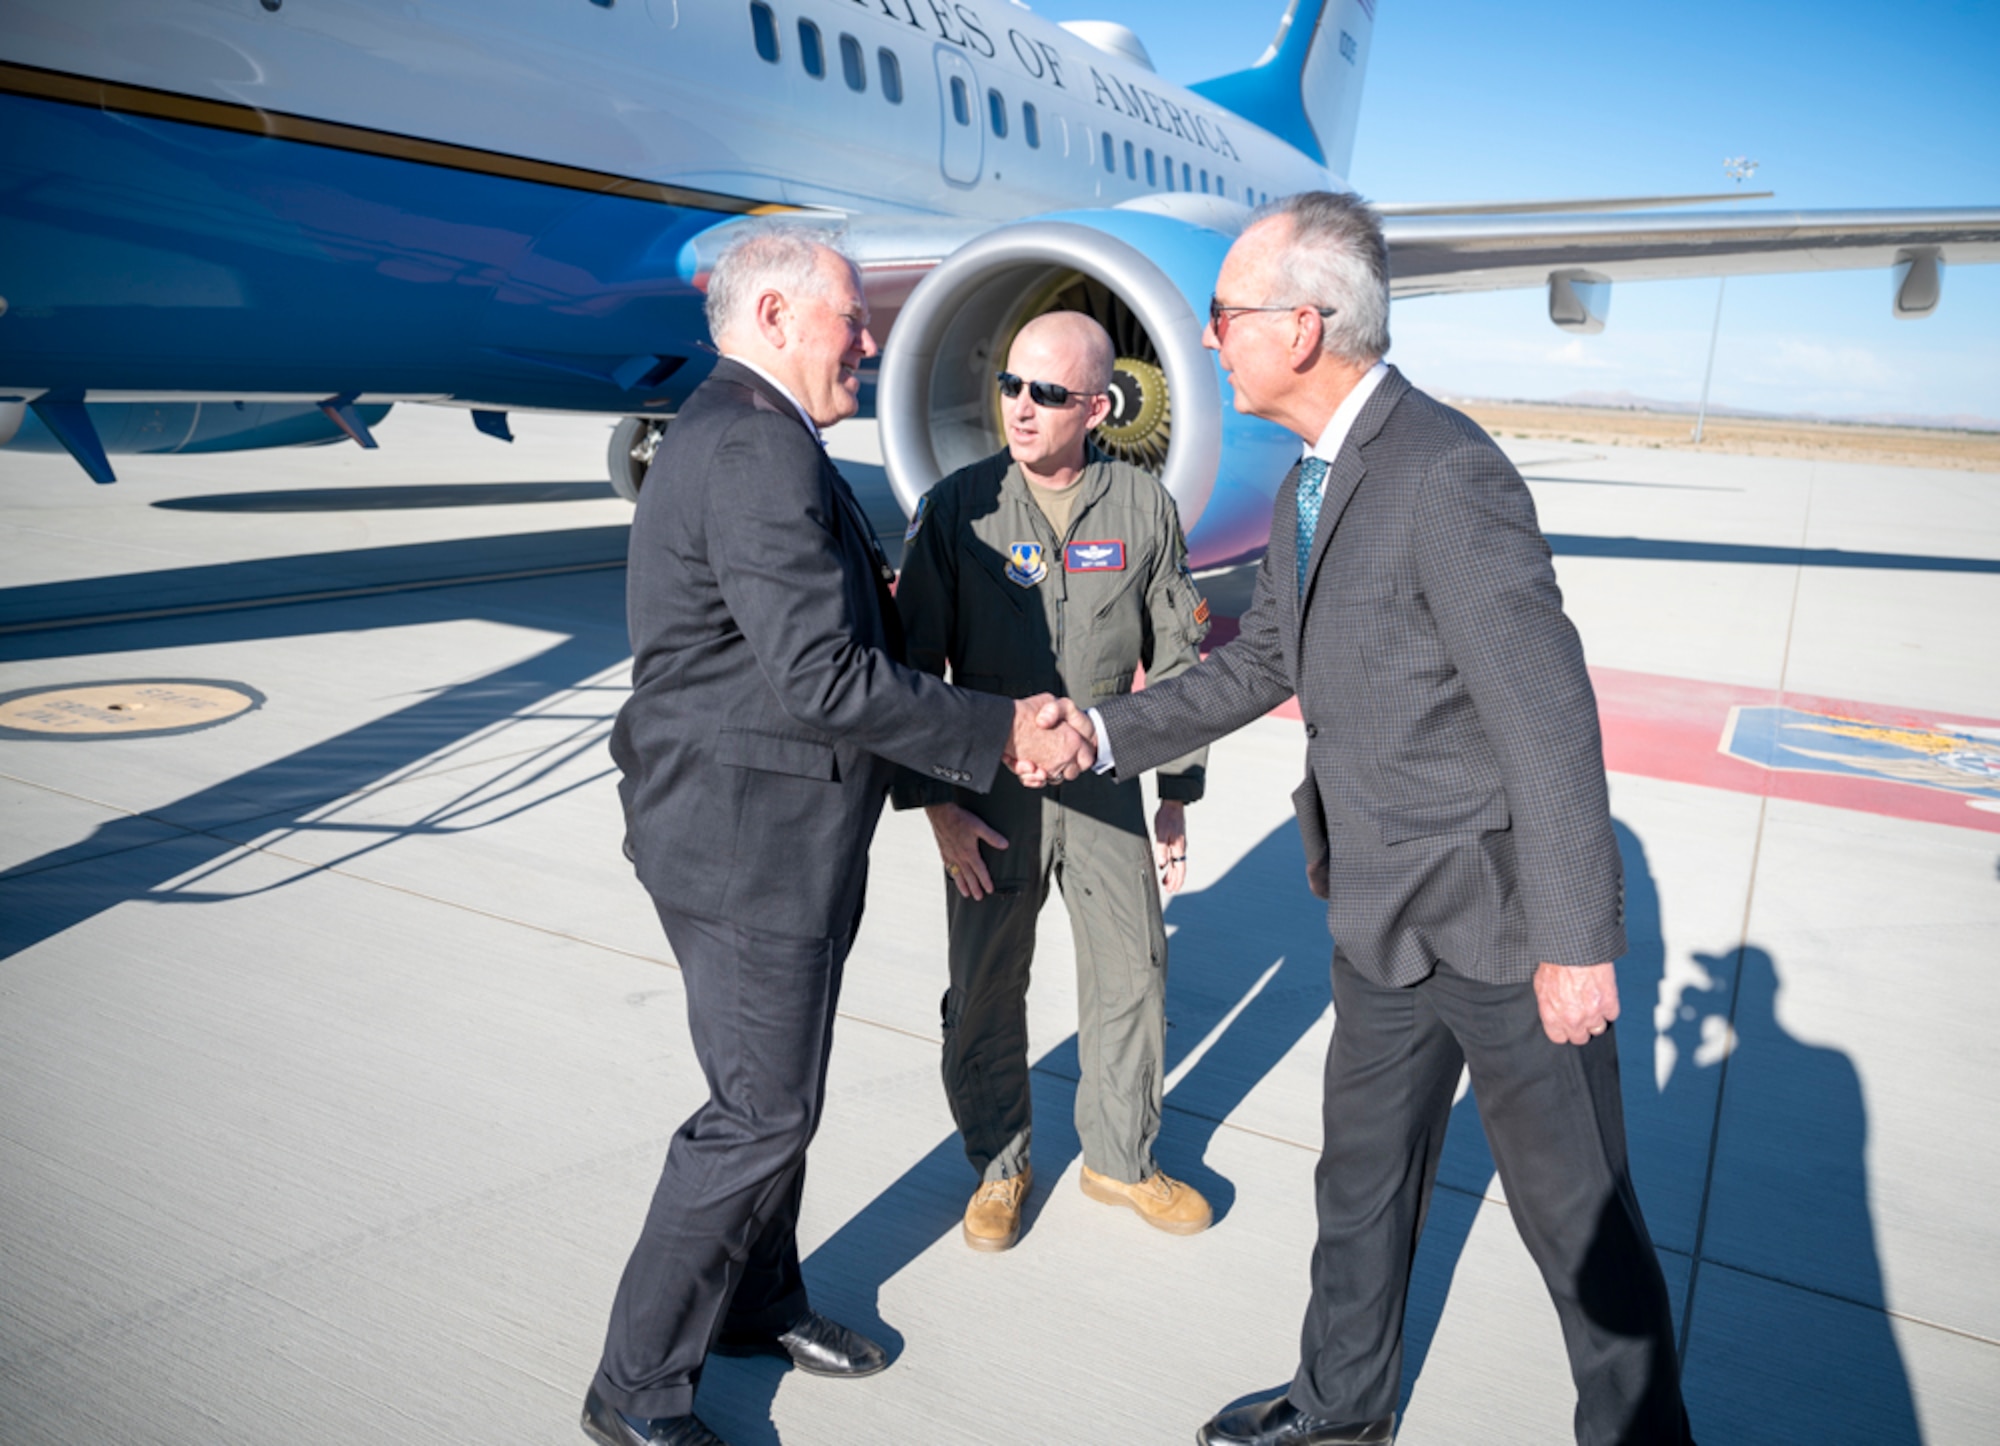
{"points": [[1026, 564]]}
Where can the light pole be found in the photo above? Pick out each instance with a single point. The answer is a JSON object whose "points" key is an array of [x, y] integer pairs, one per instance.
{"points": [[1739, 169]]}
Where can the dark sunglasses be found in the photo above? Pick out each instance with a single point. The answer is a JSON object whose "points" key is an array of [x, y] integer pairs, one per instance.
{"points": [[1218, 314], [1042, 394]]}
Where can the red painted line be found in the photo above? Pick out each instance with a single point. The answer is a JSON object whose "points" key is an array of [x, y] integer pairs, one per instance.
{"points": [[1673, 729]]}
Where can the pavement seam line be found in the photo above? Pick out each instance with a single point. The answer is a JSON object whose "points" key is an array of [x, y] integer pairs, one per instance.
{"points": [[1696, 1256]]}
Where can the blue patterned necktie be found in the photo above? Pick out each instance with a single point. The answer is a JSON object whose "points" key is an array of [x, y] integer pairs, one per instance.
{"points": [[1312, 479]]}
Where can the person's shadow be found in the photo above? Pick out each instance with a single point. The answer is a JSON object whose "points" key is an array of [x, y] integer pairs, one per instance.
{"points": [[1790, 1336], [1752, 1239]]}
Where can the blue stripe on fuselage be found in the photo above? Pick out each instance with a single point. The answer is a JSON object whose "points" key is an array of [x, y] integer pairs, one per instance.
{"points": [[152, 255]]}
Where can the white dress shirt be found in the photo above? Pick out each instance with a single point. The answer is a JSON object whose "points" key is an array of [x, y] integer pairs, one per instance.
{"points": [[783, 390], [1331, 440]]}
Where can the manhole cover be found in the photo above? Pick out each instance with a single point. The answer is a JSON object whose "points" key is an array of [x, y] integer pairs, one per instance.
{"points": [[126, 709]]}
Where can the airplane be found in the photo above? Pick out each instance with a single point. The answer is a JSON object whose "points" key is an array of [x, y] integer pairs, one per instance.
{"points": [[242, 223]]}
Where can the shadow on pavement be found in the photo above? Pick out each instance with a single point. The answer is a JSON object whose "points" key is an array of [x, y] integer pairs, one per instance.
{"points": [[391, 499]]}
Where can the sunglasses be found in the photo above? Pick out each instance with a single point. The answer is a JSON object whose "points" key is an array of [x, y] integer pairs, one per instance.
{"points": [[1042, 394], [1218, 314]]}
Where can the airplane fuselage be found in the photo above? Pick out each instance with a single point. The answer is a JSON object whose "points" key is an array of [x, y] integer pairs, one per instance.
{"points": [[488, 202]]}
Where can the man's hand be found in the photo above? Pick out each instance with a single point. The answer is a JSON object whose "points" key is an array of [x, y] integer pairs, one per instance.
{"points": [[959, 835], [1055, 750], [1578, 1001], [1170, 843]]}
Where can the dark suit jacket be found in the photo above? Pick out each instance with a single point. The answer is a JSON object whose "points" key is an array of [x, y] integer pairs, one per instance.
{"points": [[1455, 777], [767, 710]]}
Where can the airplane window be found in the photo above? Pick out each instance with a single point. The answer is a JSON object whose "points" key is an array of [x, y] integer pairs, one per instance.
{"points": [[1170, 173], [1131, 162], [961, 103], [764, 28], [892, 75], [1152, 171], [812, 54], [1204, 183], [1187, 176], [852, 65], [996, 110], [1109, 164], [1031, 125]]}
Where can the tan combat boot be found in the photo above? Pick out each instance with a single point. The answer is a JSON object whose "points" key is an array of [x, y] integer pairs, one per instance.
{"points": [[1162, 1201], [993, 1217]]}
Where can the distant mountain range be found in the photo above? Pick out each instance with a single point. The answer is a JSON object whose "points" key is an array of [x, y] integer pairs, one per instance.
{"points": [[1631, 402]]}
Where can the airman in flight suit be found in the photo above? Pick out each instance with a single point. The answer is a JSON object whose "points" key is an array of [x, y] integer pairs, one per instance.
{"points": [[1050, 567]]}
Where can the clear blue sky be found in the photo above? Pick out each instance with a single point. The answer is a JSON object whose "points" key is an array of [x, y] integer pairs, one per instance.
{"points": [[1845, 104]]}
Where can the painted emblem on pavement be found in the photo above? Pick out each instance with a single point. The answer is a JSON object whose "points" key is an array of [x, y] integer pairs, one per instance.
{"points": [[1959, 761], [1026, 563], [1107, 556]]}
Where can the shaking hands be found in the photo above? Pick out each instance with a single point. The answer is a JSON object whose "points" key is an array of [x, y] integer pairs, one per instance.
{"points": [[1052, 741]]}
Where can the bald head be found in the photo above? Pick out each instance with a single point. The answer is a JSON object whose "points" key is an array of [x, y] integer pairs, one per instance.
{"points": [[1071, 351], [1075, 340]]}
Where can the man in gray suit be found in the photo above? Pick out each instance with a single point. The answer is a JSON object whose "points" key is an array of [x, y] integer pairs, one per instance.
{"points": [[1455, 818], [769, 710]]}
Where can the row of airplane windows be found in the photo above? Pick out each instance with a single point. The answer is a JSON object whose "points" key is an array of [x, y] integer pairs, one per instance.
{"points": [[854, 70]]}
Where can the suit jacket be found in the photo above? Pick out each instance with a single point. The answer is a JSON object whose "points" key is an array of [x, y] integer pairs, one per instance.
{"points": [[1454, 792], [768, 708]]}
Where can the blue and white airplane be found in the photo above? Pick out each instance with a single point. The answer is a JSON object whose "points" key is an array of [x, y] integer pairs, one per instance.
{"points": [[247, 223]]}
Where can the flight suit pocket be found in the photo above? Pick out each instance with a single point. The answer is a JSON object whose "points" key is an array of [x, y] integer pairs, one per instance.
{"points": [[1111, 687]]}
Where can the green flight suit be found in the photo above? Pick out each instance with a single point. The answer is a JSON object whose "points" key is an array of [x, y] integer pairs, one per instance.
{"points": [[989, 589]]}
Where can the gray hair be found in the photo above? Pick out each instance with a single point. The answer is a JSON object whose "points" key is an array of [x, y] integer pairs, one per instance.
{"points": [[1336, 257], [764, 258]]}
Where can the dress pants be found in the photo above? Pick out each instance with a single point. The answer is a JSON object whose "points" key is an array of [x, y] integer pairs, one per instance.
{"points": [[719, 1249], [1089, 837], [1554, 1118]]}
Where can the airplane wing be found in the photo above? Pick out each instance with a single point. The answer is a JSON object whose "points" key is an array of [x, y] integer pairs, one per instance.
{"points": [[1432, 254], [1491, 247]]}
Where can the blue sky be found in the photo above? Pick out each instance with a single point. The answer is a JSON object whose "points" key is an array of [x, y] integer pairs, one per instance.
{"points": [[1845, 104]]}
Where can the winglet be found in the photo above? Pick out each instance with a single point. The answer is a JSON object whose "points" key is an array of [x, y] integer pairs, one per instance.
{"points": [[69, 423], [493, 424], [1306, 88], [340, 411]]}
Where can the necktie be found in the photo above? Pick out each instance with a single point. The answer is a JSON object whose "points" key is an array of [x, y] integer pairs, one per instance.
{"points": [[1312, 479]]}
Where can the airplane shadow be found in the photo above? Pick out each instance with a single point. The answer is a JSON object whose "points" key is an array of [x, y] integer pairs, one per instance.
{"points": [[391, 499], [1661, 549], [133, 857]]}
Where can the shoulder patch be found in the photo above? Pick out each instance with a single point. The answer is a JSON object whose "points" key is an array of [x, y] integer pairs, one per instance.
{"points": [[917, 518], [1026, 564]]}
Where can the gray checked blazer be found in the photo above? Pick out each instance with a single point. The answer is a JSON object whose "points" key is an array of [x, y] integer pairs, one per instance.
{"points": [[1454, 804], [769, 706]]}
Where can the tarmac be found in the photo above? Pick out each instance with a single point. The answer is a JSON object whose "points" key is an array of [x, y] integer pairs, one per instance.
{"points": [[339, 1048]]}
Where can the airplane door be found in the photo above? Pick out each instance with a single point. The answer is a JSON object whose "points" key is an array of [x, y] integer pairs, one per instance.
{"points": [[958, 108]]}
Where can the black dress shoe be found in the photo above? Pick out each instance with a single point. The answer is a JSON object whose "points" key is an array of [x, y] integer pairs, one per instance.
{"points": [[816, 1345], [1277, 1422], [603, 1424]]}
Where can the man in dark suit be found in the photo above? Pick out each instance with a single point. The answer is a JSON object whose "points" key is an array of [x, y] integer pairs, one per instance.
{"points": [[1455, 818], [769, 710]]}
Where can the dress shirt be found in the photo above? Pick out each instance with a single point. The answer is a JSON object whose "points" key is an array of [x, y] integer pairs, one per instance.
{"points": [[1331, 440], [785, 391]]}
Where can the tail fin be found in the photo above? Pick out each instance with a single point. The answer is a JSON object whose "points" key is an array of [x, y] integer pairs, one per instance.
{"points": [[1306, 89]]}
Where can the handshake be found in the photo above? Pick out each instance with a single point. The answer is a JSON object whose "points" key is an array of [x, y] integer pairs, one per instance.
{"points": [[1052, 741]]}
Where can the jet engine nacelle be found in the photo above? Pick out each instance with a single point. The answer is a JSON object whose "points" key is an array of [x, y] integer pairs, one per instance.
{"points": [[1147, 278]]}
